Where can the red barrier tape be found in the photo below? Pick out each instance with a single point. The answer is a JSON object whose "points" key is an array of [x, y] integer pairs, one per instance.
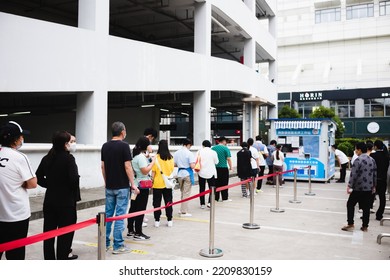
{"points": [[57, 232]]}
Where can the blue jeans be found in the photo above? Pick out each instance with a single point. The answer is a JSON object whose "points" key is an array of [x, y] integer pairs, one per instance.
{"points": [[117, 202]]}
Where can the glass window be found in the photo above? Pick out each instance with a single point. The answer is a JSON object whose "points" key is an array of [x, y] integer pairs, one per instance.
{"points": [[384, 8], [344, 109], [360, 11], [306, 108], [328, 15], [379, 107]]}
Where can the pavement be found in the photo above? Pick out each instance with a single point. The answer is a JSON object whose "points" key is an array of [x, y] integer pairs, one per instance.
{"points": [[309, 230]]}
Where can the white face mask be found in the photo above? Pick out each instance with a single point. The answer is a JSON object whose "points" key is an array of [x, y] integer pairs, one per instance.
{"points": [[72, 147], [20, 145]]}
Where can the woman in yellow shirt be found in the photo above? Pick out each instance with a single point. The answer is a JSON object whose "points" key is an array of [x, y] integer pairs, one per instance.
{"points": [[164, 164]]}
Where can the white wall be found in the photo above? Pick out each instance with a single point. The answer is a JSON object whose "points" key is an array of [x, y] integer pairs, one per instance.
{"points": [[66, 60]]}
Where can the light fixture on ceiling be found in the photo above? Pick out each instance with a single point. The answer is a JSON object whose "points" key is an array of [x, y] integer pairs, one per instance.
{"points": [[164, 110], [220, 24], [186, 104], [147, 106], [185, 114], [21, 113], [229, 113], [3, 115]]}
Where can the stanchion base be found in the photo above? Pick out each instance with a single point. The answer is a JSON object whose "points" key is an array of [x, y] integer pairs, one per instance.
{"points": [[277, 210], [250, 226], [295, 201], [215, 253], [311, 194]]}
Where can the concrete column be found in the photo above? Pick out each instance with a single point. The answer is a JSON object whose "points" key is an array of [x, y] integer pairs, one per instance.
{"points": [[255, 120], [202, 123], [202, 99], [202, 28], [273, 112], [359, 108], [250, 53], [273, 65], [92, 107], [251, 5], [326, 103], [246, 121], [91, 118]]}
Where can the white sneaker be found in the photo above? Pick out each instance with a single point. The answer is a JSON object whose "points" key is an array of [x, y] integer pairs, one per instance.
{"points": [[170, 223], [372, 211], [227, 200], [360, 211], [185, 215], [121, 250], [157, 224], [144, 224], [202, 206]]}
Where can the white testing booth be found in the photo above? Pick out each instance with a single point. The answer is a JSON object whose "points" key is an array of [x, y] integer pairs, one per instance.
{"points": [[306, 142]]}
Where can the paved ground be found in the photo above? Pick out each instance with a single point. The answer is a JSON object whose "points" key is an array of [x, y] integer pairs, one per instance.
{"points": [[309, 230]]}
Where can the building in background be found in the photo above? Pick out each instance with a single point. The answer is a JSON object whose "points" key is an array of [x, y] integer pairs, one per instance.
{"points": [[337, 54], [184, 67]]}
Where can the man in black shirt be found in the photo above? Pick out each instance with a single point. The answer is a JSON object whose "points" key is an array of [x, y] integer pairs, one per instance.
{"points": [[382, 162], [118, 176]]}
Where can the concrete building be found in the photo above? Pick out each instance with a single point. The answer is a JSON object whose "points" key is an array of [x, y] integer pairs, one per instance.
{"points": [[337, 54], [80, 65]]}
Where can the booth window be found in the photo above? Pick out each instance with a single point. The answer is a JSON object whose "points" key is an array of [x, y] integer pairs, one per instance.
{"points": [[378, 107], [384, 8], [360, 11], [344, 109], [328, 15]]}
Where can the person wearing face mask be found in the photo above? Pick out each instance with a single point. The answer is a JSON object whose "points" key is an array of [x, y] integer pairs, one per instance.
{"points": [[58, 173], [16, 176]]}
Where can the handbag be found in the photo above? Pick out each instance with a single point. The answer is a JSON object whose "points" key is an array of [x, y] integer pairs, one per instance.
{"points": [[169, 181], [197, 163], [145, 184]]}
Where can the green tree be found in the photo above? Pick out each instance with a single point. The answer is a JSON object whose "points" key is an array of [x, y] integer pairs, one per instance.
{"points": [[288, 112], [323, 112]]}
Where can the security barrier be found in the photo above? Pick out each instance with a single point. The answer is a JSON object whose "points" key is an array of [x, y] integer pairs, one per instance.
{"points": [[101, 221]]}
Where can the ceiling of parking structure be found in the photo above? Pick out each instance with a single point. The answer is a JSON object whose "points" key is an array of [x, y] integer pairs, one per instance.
{"points": [[175, 102], [168, 23], [38, 103], [45, 103]]}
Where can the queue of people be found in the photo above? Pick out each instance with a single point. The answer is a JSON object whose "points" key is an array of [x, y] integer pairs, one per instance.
{"points": [[131, 176]]}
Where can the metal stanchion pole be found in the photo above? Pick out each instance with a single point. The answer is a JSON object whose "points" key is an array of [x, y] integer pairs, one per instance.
{"points": [[295, 200], [310, 193], [277, 210], [211, 252], [251, 225], [101, 221]]}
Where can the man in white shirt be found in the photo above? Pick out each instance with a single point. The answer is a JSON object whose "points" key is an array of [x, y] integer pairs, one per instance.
{"points": [[343, 162], [16, 176], [255, 157]]}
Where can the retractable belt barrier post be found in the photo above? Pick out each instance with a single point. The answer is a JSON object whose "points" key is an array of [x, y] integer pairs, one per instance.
{"points": [[277, 210], [211, 252], [251, 225], [310, 193], [295, 200], [101, 221]]}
